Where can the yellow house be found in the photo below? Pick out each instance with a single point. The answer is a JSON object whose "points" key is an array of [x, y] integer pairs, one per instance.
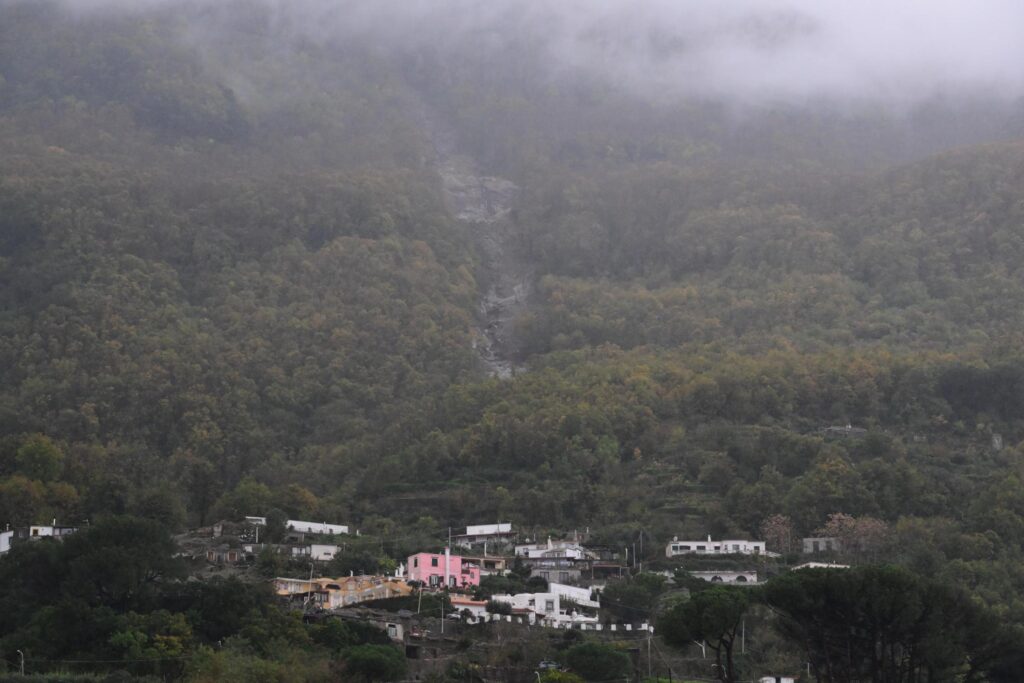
{"points": [[349, 590]]}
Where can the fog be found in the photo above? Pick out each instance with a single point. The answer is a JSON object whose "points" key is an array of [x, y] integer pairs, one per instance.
{"points": [[746, 50], [742, 49]]}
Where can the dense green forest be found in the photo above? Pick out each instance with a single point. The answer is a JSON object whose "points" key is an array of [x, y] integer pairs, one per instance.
{"points": [[230, 282]]}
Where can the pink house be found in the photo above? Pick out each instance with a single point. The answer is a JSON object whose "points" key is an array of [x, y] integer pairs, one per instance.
{"points": [[443, 570]]}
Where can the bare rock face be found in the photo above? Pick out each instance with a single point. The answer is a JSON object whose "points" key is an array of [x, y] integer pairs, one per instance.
{"points": [[485, 203]]}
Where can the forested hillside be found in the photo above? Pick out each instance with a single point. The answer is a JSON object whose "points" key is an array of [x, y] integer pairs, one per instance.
{"points": [[229, 282]]}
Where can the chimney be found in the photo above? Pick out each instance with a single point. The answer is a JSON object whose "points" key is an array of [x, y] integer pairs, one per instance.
{"points": [[709, 538]]}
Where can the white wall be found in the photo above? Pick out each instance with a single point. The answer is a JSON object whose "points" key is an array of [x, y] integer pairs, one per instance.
{"points": [[5, 541], [710, 547], [315, 527], [574, 593], [486, 529]]}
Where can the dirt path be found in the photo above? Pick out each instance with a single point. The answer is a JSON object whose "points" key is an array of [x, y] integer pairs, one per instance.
{"points": [[484, 204]]}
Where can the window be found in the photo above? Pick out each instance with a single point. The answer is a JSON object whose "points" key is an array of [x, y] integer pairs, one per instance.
{"points": [[433, 562], [451, 581], [392, 631], [817, 546], [435, 580], [549, 606], [563, 576], [416, 562], [736, 547], [700, 547], [684, 547]]}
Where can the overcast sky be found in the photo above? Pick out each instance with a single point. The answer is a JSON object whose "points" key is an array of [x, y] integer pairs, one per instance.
{"points": [[746, 49], [756, 48]]}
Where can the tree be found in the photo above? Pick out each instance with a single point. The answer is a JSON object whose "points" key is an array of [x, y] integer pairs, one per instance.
{"points": [[884, 623], [596, 662], [371, 663], [634, 598], [120, 562], [712, 616], [39, 458], [777, 531], [858, 536], [277, 521], [498, 607]]}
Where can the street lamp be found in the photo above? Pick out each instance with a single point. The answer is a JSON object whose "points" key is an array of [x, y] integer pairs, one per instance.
{"points": [[22, 655]]}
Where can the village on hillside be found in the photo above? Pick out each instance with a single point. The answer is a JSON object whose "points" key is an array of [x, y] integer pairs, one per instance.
{"points": [[433, 599]]}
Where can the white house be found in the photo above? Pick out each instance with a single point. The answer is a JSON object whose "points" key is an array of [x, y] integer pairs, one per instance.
{"points": [[46, 531], [480, 534], [319, 552], [305, 527], [475, 608], [548, 607], [727, 576], [578, 594], [552, 549], [5, 541], [316, 527], [709, 547]]}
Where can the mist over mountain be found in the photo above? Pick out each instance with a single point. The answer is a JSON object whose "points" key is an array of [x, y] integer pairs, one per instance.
{"points": [[649, 269]]}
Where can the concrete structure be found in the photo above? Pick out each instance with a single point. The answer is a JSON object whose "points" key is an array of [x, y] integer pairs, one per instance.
{"points": [[5, 541], [709, 547], [727, 576], [328, 593], [436, 570], [777, 679], [486, 534], [548, 608], [564, 561], [315, 551], [51, 531], [304, 527], [224, 554], [822, 544], [568, 549], [490, 565], [821, 565]]}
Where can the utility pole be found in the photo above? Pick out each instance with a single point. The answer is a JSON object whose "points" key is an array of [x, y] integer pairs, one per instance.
{"points": [[649, 675], [743, 637]]}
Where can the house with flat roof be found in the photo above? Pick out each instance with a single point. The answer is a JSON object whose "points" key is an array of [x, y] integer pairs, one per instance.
{"points": [[709, 547], [486, 534]]}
